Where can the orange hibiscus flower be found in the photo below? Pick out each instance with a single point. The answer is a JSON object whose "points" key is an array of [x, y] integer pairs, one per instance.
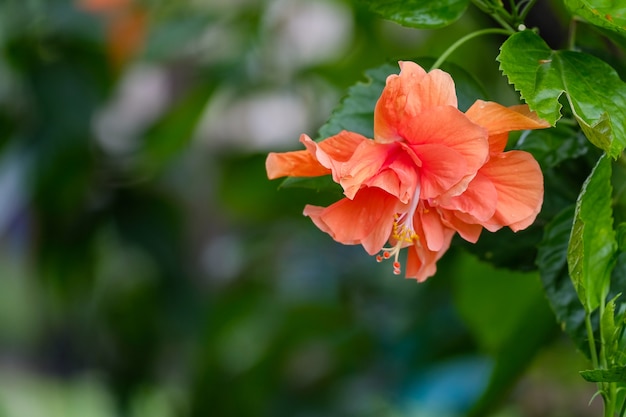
{"points": [[429, 172]]}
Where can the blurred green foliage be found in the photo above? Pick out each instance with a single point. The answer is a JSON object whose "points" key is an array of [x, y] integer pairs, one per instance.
{"points": [[149, 268]]}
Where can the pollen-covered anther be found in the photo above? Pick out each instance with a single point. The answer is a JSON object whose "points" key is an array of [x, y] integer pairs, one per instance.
{"points": [[393, 252], [404, 234]]}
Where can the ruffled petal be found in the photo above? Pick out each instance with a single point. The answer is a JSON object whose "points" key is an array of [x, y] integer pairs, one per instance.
{"points": [[334, 151], [498, 142], [339, 147], [479, 199], [398, 179], [293, 164], [408, 94], [318, 159], [450, 147], [422, 262], [432, 228], [405, 170], [518, 180], [467, 228], [442, 169], [386, 166], [499, 120], [366, 162], [367, 219]]}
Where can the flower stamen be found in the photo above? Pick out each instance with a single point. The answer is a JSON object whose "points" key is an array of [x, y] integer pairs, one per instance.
{"points": [[404, 236]]}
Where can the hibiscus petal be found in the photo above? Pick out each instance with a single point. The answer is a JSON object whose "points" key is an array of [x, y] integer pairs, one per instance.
{"points": [[332, 152], [422, 263], [498, 142], [469, 230], [293, 164], [367, 161], [442, 169], [433, 89], [405, 169], [498, 120], [401, 183], [367, 219], [432, 228], [408, 94], [519, 183], [479, 199], [339, 147], [450, 147], [386, 166]]}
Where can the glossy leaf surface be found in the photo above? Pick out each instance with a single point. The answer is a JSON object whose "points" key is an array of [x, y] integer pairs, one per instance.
{"points": [[423, 14], [617, 374], [596, 94], [552, 263], [609, 15], [592, 242]]}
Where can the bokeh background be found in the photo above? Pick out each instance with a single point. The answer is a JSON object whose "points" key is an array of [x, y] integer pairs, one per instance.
{"points": [[149, 268]]}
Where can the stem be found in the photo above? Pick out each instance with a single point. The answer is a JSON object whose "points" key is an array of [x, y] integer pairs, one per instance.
{"points": [[594, 361], [609, 400], [466, 38], [513, 7], [503, 23], [483, 7], [603, 360], [609, 389], [592, 342], [526, 9], [502, 12], [497, 13], [571, 41]]}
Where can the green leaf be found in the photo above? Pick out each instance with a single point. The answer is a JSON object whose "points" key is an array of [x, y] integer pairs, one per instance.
{"points": [[596, 94], [609, 15], [615, 374], [590, 255], [422, 14], [552, 263], [609, 331], [356, 111], [560, 290]]}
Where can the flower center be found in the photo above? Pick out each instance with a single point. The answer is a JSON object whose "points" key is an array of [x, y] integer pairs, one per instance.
{"points": [[403, 234]]}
